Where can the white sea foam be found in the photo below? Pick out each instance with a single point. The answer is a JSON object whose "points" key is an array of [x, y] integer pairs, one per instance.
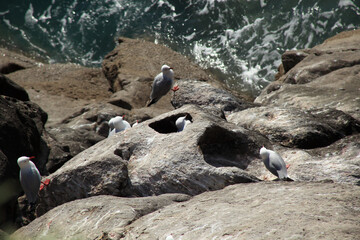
{"points": [[346, 3], [208, 57], [30, 20], [242, 39], [4, 13]]}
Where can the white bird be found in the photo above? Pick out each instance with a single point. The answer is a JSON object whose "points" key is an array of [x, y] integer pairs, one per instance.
{"points": [[162, 84], [117, 124], [181, 122], [136, 123], [30, 178], [274, 163]]}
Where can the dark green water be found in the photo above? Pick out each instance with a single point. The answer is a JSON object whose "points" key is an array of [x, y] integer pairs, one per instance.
{"points": [[240, 40]]}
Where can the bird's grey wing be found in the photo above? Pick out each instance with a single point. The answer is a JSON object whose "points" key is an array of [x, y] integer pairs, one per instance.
{"points": [[278, 164], [161, 86], [30, 180], [112, 132], [270, 167], [127, 125]]}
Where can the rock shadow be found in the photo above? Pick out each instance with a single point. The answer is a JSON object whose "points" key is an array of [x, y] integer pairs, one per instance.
{"points": [[167, 125], [224, 148]]}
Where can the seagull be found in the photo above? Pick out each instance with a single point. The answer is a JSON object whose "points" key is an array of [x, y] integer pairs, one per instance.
{"points": [[136, 123], [162, 84], [274, 163], [30, 178], [117, 124], [181, 122]]}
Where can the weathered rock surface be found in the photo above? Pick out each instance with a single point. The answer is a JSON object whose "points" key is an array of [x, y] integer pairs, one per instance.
{"points": [[258, 211], [11, 61], [207, 96], [100, 217], [140, 58], [91, 174], [131, 67], [56, 87], [328, 77], [338, 162], [243, 211], [314, 106], [65, 91], [293, 127], [65, 143], [153, 158]]}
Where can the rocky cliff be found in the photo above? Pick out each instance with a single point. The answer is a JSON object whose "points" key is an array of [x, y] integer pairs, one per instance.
{"points": [[152, 182]]}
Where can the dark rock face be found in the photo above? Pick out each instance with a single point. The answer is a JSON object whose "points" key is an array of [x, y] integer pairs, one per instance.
{"points": [[65, 143], [290, 58], [21, 125], [224, 148], [11, 89], [21, 128]]}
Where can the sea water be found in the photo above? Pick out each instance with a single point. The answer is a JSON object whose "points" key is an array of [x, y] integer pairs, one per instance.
{"points": [[241, 41]]}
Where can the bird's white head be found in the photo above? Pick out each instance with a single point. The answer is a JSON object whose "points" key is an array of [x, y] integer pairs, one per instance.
{"points": [[118, 122], [24, 161], [264, 152], [165, 68]]}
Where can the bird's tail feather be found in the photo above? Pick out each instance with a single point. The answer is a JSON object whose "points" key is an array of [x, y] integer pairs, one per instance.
{"points": [[152, 101]]}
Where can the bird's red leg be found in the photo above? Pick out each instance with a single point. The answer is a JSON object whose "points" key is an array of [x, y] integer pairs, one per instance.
{"points": [[44, 183], [175, 88]]}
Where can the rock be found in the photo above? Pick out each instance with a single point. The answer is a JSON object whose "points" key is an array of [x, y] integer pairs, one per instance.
{"points": [[205, 95], [65, 143], [315, 83], [130, 70], [87, 174], [207, 155], [11, 61], [293, 127], [132, 97], [21, 126], [70, 80], [141, 58], [339, 162], [153, 159], [4, 235], [134, 93], [258, 211], [62, 89], [320, 64], [11, 89], [94, 117], [290, 58], [344, 41], [95, 217]]}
